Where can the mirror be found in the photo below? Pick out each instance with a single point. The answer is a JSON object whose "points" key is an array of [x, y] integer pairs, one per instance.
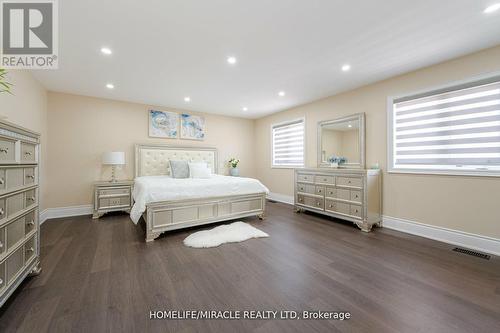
{"points": [[341, 142]]}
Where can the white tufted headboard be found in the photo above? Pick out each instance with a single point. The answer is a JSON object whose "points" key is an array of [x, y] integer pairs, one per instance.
{"points": [[152, 160]]}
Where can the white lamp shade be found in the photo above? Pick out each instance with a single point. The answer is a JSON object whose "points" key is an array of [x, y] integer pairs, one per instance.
{"points": [[113, 158]]}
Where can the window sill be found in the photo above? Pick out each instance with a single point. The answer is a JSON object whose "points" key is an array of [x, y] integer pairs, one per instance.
{"points": [[287, 167], [446, 173]]}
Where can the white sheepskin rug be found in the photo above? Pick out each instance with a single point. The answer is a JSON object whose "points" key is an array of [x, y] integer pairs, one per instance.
{"points": [[228, 233]]}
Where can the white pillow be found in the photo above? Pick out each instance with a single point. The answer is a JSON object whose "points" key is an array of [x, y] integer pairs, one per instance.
{"points": [[199, 170]]}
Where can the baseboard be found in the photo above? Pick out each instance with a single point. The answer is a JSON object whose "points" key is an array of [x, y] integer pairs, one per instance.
{"points": [[54, 213], [287, 199], [471, 241]]}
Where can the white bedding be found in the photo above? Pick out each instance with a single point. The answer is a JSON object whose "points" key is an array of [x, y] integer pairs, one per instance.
{"points": [[163, 188]]}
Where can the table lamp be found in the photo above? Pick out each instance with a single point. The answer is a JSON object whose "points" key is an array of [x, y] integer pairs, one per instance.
{"points": [[113, 158]]}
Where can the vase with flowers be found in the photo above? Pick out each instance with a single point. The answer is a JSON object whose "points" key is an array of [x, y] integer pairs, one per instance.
{"points": [[233, 167]]}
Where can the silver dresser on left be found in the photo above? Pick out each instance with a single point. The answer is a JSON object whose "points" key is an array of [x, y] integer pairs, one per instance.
{"points": [[19, 225]]}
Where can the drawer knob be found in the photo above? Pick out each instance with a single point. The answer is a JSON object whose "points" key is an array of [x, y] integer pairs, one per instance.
{"points": [[1, 281], [30, 249], [1, 245], [348, 181], [331, 206], [319, 191], [27, 153], [300, 199], [31, 199], [2, 211], [318, 204], [4, 150], [30, 176], [32, 222], [356, 210], [2, 181]]}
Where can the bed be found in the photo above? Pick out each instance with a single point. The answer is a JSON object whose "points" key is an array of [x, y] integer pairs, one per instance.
{"points": [[168, 204]]}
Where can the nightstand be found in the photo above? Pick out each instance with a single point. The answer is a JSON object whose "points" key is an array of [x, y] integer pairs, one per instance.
{"points": [[112, 197]]}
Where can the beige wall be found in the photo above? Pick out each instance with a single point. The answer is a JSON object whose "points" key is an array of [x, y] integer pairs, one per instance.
{"points": [[82, 128], [469, 204], [27, 107]]}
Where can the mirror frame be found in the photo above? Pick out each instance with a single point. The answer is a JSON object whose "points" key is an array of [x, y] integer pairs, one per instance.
{"points": [[360, 117]]}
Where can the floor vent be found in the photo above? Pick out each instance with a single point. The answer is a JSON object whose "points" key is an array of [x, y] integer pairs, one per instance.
{"points": [[472, 253]]}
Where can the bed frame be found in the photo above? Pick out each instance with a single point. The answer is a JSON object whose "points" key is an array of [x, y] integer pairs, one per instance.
{"points": [[152, 160]]}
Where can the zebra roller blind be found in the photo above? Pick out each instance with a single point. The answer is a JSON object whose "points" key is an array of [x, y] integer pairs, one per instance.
{"points": [[288, 144], [457, 128]]}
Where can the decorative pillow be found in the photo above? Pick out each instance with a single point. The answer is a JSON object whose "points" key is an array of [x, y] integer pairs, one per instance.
{"points": [[179, 169], [199, 170]]}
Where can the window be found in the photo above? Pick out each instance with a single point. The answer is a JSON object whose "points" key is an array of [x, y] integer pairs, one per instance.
{"points": [[288, 144], [454, 130]]}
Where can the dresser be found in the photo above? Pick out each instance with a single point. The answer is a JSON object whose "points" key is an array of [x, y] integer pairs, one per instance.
{"points": [[112, 197], [349, 194], [19, 228]]}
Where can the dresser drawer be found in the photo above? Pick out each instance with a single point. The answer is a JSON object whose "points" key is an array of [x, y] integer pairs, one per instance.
{"points": [[29, 176], [30, 220], [11, 178], [330, 205], [14, 264], [114, 202], [15, 204], [310, 201], [349, 181], [3, 208], [320, 190], [342, 208], [356, 196], [3, 279], [7, 151], [302, 177], [16, 178], [331, 192], [343, 194], [15, 232], [306, 188], [115, 191], [356, 211], [30, 249], [324, 179], [30, 198], [27, 152], [3, 245]]}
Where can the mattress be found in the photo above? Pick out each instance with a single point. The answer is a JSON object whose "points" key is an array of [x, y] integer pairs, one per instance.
{"points": [[151, 189]]}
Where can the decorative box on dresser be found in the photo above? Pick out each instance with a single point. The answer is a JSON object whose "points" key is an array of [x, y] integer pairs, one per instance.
{"points": [[19, 228], [112, 197], [349, 194]]}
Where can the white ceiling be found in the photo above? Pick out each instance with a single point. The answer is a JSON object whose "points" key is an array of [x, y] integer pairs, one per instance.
{"points": [[164, 50]]}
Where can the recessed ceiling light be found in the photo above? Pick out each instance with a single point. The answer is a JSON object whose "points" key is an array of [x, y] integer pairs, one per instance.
{"points": [[110, 86], [281, 93], [187, 99], [349, 125], [245, 108], [346, 67], [492, 8], [231, 60], [106, 51]]}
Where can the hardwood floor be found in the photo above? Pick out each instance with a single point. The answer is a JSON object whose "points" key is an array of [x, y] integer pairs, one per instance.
{"points": [[100, 276]]}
